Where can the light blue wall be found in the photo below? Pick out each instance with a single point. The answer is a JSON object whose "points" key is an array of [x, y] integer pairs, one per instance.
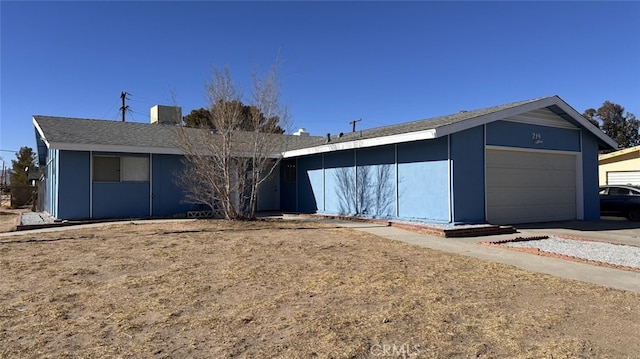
{"points": [[338, 194], [590, 176], [467, 156], [376, 186], [74, 184], [423, 176], [513, 134]]}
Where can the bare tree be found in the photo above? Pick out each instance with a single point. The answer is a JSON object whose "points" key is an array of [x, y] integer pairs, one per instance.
{"points": [[369, 192], [223, 167]]}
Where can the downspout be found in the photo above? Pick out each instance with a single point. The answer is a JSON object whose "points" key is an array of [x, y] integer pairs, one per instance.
{"points": [[397, 180], [150, 185], [451, 188], [90, 184], [324, 189]]}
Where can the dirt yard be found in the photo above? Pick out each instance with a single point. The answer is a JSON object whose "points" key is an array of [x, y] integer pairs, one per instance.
{"points": [[261, 289], [8, 218]]}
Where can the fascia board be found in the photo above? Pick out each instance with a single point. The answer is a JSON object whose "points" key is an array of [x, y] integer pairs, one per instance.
{"points": [[369, 142], [114, 148], [44, 139], [495, 116], [585, 123]]}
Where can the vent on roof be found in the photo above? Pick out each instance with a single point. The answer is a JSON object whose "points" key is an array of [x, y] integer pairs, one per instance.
{"points": [[166, 115], [301, 132]]}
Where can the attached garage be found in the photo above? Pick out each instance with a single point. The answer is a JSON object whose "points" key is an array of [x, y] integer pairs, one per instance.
{"points": [[530, 186]]}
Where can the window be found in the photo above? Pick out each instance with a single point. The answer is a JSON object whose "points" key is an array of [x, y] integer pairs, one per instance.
{"points": [[106, 169], [290, 171], [120, 169]]}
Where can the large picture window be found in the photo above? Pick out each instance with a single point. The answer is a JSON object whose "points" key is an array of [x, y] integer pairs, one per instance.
{"points": [[120, 169]]}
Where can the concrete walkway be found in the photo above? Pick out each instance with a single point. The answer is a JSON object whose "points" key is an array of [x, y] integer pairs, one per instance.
{"points": [[615, 278]]}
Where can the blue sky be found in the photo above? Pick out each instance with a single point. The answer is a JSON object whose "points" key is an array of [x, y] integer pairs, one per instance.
{"points": [[384, 62]]}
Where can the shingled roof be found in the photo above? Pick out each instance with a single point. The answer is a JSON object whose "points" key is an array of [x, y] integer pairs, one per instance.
{"points": [[116, 136], [444, 125], [102, 135]]}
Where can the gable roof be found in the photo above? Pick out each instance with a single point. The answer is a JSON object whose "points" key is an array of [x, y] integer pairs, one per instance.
{"points": [[444, 125], [114, 136]]}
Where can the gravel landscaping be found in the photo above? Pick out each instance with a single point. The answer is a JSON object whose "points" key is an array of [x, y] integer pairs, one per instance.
{"points": [[615, 254]]}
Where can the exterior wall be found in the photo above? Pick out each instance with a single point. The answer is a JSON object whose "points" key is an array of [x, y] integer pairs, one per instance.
{"points": [[408, 180], [73, 184], [590, 177], [376, 185], [523, 135], [120, 199], [50, 182], [468, 161], [628, 162], [168, 198], [71, 194], [423, 180], [288, 189], [310, 188]]}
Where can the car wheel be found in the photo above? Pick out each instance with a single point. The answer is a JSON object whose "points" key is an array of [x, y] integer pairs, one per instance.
{"points": [[634, 214]]}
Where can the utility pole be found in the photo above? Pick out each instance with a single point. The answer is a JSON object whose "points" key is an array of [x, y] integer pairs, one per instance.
{"points": [[353, 124], [124, 108]]}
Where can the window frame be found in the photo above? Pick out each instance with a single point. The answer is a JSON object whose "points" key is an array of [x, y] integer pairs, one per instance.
{"points": [[127, 170]]}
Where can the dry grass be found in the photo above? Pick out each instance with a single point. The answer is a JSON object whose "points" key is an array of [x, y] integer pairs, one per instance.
{"points": [[291, 290], [8, 220]]}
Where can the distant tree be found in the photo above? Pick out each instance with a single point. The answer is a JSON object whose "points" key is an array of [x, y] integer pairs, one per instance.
{"points": [[25, 162], [198, 118], [612, 119], [250, 117]]}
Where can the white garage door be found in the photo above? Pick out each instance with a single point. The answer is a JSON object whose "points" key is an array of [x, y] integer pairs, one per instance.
{"points": [[525, 187], [624, 177]]}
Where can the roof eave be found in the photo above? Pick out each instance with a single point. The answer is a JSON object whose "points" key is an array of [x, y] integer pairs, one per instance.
{"points": [[364, 143]]}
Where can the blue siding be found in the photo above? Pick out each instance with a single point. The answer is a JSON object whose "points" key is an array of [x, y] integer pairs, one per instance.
{"points": [[467, 155], [168, 197], [423, 176], [120, 200], [309, 182], [513, 134], [376, 181], [590, 176], [339, 178], [74, 181]]}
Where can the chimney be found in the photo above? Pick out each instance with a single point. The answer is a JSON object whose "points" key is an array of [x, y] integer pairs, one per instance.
{"points": [[166, 115], [301, 132]]}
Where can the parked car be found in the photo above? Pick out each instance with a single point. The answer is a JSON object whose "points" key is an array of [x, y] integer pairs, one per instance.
{"points": [[620, 201]]}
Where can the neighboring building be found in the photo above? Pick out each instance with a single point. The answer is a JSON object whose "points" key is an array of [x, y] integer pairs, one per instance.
{"points": [[620, 167], [529, 161]]}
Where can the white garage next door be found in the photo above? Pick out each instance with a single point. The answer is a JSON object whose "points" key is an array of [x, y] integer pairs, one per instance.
{"points": [[525, 187], [623, 177]]}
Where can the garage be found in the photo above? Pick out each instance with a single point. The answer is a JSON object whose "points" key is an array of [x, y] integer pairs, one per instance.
{"points": [[623, 178], [530, 186]]}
